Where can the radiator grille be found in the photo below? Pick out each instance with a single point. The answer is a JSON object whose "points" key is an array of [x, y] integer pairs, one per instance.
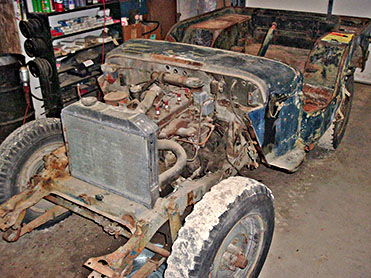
{"points": [[114, 150]]}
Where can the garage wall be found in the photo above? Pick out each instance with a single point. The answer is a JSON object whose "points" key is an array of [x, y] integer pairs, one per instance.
{"points": [[191, 8], [9, 40], [317, 6], [360, 8]]}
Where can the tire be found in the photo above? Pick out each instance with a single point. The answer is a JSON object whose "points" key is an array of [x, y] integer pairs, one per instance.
{"points": [[21, 157], [331, 139], [237, 212]]}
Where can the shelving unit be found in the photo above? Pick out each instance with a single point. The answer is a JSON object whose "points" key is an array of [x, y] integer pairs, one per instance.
{"points": [[83, 31], [62, 91], [88, 7], [75, 80], [82, 49]]}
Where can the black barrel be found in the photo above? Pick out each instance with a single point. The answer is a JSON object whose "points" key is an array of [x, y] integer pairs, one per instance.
{"points": [[13, 102]]}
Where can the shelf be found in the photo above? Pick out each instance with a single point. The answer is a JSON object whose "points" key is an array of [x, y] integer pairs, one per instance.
{"points": [[82, 49], [76, 79], [64, 69], [71, 100], [83, 31], [79, 8], [64, 84]]}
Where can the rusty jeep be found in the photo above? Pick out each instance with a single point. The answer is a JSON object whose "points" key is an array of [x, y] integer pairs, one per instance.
{"points": [[159, 163]]}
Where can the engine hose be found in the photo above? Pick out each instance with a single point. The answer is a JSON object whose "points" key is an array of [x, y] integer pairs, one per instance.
{"points": [[181, 161], [148, 99]]}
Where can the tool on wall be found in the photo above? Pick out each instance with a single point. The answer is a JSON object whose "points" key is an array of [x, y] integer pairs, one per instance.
{"points": [[267, 40], [25, 80]]}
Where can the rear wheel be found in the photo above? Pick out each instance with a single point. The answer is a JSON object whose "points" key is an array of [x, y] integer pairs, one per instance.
{"points": [[331, 139], [21, 157], [228, 233]]}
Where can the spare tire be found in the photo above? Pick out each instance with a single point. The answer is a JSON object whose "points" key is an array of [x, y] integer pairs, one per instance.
{"points": [[21, 157]]}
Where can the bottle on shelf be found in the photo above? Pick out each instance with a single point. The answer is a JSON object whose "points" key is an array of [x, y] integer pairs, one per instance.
{"points": [[71, 4], [59, 7]]}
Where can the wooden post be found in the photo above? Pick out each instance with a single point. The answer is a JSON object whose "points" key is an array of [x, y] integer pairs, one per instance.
{"points": [[9, 39]]}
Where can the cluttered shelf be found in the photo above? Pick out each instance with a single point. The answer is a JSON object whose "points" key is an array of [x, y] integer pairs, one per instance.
{"points": [[115, 22], [57, 7], [109, 41], [75, 79], [69, 99], [72, 42], [77, 9]]}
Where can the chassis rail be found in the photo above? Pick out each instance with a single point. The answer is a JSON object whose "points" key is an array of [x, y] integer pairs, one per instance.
{"points": [[133, 221]]}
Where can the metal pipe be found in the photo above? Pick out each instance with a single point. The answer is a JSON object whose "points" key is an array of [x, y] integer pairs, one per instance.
{"points": [[179, 80], [267, 40], [330, 6], [181, 161], [148, 100]]}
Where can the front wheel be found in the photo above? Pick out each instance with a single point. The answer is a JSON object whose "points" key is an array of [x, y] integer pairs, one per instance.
{"points": [[21, 157], [228, 234]]}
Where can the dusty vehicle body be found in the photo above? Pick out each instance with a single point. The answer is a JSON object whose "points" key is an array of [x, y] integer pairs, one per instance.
{"points": [[193, 116], [326, 49]]}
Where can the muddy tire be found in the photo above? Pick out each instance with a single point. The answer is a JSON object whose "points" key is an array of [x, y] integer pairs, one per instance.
{"points": [[331, 139], [228, 233], [21, 157]]}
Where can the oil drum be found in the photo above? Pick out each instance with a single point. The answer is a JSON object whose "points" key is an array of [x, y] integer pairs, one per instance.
{"points": [[13, 102]]}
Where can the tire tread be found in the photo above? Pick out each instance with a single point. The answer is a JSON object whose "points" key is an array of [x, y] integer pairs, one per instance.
{"points": [[16, 144], [199, 226]]}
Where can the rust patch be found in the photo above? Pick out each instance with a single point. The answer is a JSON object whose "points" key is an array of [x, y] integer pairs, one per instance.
{"points": [[130, 221], [190, 198], [87, 199], [309, 147], [172, 128], [316, 98], [221, 22], [224, 102], [46, 184], [176, 60]]}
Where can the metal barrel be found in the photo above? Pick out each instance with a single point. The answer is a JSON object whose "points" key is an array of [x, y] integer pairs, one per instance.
{"points": [[13, 102]]}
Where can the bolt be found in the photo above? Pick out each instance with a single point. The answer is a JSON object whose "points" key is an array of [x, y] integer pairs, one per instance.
{"points": [[234, 257], [241, 261], [99, 197]]}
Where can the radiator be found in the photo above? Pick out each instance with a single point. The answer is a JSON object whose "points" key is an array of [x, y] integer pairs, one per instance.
{"points": [[112, 149]]}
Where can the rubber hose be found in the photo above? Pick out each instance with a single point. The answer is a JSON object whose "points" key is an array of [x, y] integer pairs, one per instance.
{"points": [[154, 29], [148, 99], [181, 161]]}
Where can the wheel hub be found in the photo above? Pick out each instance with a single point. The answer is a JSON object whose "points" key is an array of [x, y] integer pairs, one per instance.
{"points": [[240, 249], [34, 165], [234, 257]]}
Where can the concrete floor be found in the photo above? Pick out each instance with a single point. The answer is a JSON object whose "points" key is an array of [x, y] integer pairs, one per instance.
{"points": [[323, 227]]}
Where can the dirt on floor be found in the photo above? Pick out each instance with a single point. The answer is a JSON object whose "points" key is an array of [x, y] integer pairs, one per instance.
{"points": [[323, 227]]}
